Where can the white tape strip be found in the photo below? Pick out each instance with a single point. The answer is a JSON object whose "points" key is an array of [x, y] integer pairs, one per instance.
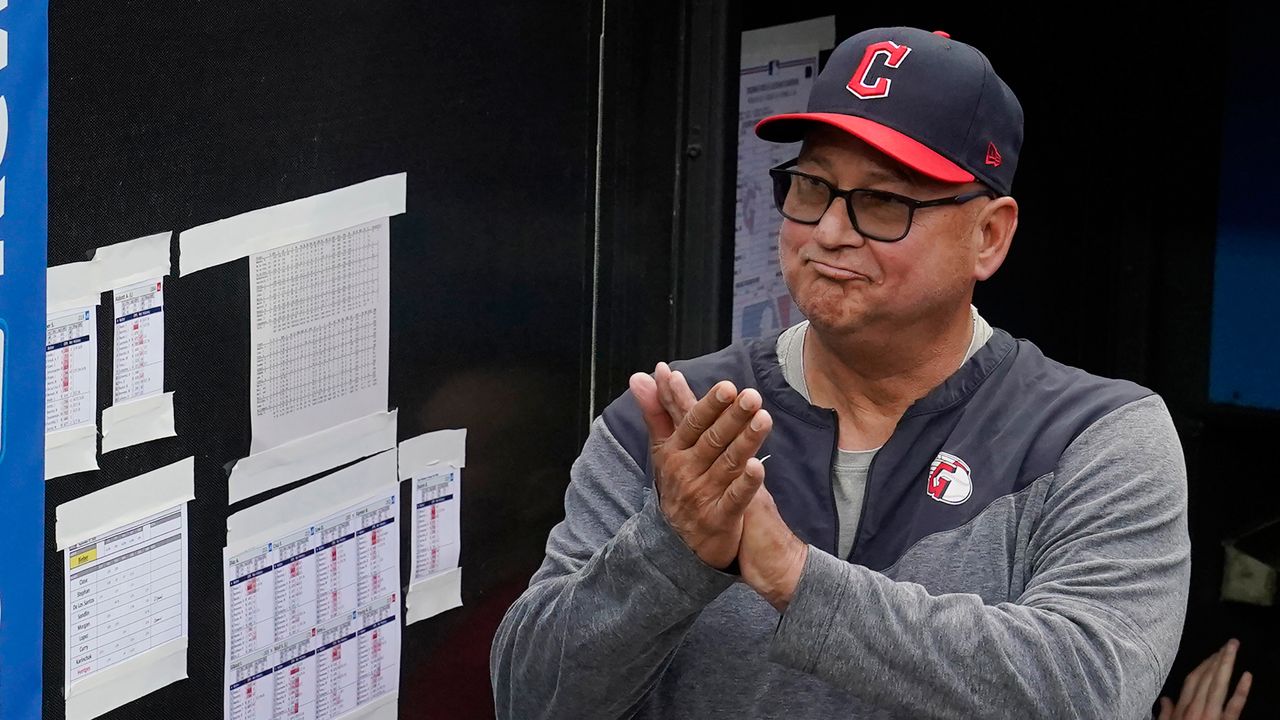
{"points": [[138, 421], [381, 709], [114, 686], [114, 266], [260, 230], [432, 596], [127, 263], [70, 451], [442, 447], [71, 286], [312, 501], [312, 455], [119, 504]]}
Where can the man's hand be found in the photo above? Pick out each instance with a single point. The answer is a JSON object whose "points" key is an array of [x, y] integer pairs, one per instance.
{"points": [[1205, 689], [704, 463], [771, 556]]}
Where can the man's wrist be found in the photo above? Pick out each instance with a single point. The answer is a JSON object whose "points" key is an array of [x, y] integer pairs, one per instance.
{"points": [[783, 588]]}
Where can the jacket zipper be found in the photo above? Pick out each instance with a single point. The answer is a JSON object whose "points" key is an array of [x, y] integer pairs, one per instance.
{"points": [[831, 484], [862, 511]]}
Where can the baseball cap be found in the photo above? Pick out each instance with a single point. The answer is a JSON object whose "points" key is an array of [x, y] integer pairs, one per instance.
{"points": [[932, 103]]}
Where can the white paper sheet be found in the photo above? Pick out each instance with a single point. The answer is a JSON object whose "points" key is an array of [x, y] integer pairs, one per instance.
{"points": [[71, 391], [436, 505], [125, 558], [269, 228], [777, 69], [311, 455], [70, 369], [311, 591], [138, 364], [318, 333], [126, 593]]}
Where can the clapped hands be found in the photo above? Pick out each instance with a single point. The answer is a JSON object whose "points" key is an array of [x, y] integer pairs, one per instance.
{"points": [[710, 482]]}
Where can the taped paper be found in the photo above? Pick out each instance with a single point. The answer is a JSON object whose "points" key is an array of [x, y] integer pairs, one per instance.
{"points": [[113, 266], [261, 230], [321, 497], [70, 451], [115, 686], [313, 620], [319, 333], [433, 596], [442, 447], [138, 421], [147, 494], [312, 455]]}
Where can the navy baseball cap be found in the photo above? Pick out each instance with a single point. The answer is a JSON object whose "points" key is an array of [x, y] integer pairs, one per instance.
{"points": [[925, 100]]}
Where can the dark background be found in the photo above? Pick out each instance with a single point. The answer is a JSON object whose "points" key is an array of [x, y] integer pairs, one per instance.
{"points": [[547, 166]]}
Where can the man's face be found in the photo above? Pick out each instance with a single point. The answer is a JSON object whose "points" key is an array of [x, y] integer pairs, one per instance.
{"points": [[844, 282]]}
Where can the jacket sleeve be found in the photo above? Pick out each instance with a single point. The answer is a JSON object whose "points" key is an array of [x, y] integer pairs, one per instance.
{"points": [[1094, 633], [614, 597]]}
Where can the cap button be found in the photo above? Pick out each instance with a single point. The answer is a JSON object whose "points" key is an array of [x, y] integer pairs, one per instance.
{"points": [[942, 33]]}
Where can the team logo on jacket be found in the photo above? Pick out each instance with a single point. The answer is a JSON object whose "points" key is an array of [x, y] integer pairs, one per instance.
{"points": [[949, 479]]}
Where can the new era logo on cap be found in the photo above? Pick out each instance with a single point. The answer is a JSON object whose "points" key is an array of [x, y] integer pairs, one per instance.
{"points": [[930, 102]]}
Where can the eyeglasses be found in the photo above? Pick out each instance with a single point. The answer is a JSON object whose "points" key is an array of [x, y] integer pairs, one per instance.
{"points": [[875, 214]]}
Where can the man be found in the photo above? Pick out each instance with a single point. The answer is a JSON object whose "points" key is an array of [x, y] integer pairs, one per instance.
{"points": [[948, 523]]}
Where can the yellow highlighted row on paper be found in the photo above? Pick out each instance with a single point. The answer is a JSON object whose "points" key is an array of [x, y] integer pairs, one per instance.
{"points": [[87, 556]]}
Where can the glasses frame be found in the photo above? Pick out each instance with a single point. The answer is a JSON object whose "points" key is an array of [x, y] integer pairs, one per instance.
{"points": [[833, 192]]}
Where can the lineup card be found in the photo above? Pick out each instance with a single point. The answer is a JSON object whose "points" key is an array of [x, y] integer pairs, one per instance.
{"points": [[435, 523], [125, 592], [70, 369], [138, 368], [313, 611]]}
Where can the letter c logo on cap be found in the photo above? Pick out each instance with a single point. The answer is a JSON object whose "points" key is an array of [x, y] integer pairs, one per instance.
{"points": [[893, 54]]}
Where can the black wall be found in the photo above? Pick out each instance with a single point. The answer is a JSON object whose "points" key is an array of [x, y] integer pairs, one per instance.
{"points": [[168, 115]]}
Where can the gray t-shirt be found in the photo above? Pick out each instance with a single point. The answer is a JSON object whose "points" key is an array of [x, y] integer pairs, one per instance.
{"points": [[851, 466]]}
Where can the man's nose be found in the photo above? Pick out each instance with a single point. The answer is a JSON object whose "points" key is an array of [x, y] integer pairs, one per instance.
{"points": [[835, 229]]}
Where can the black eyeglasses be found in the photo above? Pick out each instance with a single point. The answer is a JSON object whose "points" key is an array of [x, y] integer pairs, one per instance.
{"points": [[875, 214]]}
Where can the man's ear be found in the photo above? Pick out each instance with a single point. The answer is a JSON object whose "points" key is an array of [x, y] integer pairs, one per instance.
{"points": [[993, 232]]}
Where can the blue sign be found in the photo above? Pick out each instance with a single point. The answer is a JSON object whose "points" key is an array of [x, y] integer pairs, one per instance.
{"points": [[24, 110]]}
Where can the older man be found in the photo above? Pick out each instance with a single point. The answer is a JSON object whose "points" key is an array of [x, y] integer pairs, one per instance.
{"points": [[949, 524]]}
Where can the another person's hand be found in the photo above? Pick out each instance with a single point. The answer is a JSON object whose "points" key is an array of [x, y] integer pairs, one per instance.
{"points": [[1205, 690], [704, 463]]}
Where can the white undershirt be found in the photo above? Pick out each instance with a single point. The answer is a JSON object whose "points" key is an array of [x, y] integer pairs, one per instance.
{"points": [[851, 466]]}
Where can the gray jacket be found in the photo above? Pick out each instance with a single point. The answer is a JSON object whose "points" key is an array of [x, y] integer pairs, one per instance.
{"points": [[1022, 553]]}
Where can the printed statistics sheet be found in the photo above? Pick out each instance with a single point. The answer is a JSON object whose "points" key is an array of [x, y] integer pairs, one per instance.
{"points": [[71, 369], [313, 603], [319, 333], [138, 362], [436, 525]]}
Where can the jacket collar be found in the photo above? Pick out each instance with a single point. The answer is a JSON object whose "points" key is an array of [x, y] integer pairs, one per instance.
{"points": [[953, 391]]}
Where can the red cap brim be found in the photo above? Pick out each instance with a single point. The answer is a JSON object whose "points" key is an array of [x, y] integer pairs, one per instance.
{"points": [[791, 127]]}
